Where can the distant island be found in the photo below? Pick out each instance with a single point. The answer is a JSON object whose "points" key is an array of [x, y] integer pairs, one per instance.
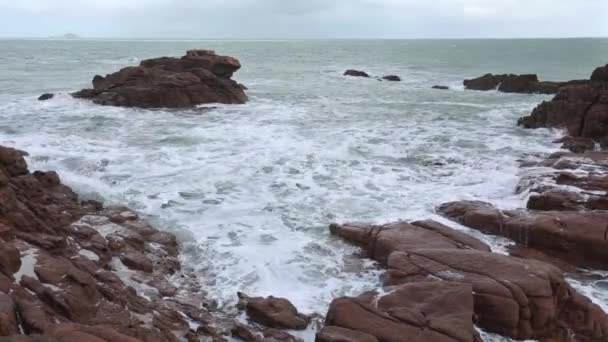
{"points": [[69, 36]]}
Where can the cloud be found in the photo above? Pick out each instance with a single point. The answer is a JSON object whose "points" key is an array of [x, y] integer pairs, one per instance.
{"points": [[305, 18]]}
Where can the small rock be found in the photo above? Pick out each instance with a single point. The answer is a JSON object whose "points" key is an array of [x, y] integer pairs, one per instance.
{"points": [[393, 78], [46, 96], [274, 312], [441, 87], [356, 73]]}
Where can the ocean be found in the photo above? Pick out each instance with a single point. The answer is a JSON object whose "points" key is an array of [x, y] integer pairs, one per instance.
{"points": [[251, 189]]}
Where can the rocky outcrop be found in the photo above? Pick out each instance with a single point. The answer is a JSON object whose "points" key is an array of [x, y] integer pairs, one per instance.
{"points": [[422, 312], [578, 237], [76, 271], [517, 298], [356, 73], [510, 83], [581, 108], [199, 77]]}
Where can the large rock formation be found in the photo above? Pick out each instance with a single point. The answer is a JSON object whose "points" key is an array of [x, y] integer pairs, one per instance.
{"points": [[517, 298], [578, 237], [75, 271], [581, 108], [510, 83], [199, 77]]}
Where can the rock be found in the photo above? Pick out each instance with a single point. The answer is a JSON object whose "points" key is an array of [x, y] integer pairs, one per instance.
{"points": [[199, 77], [580, 107], [10, 259], [576, 144], [46, 96], [338, 334], [356, 73], [440, 87], [274, 312], [577, 237], [137, 261], [519, 84], [8, 318], [556, 200], [393, 78], [517, 298], [425, 311], [600, 74], [510, 83]]}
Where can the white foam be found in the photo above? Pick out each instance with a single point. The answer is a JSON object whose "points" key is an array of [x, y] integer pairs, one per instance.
{"points": [[28, 263]]}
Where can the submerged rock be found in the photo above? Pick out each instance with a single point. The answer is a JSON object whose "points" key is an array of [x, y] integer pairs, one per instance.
{"points": [[440, 87], [199, 77], [46, 96], [393, 78], [356, 73]]}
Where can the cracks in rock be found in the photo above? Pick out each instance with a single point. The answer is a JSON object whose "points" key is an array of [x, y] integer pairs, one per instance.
{"points": [[586, 112]]}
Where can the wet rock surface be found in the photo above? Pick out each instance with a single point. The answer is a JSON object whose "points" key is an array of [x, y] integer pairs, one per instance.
{"points": [[514, 297], [199, 77]]}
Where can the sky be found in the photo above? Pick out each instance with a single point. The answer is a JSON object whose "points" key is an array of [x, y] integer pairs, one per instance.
{"points": [[301, 19]]}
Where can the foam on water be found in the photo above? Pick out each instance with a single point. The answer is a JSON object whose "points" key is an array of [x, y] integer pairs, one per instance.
{"points": [[255, 186]]}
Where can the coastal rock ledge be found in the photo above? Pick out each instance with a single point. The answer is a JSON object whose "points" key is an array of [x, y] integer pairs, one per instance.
{"points": [[197, 78]]}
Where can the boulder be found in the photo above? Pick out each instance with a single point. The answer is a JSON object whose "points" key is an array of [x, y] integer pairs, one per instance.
{"points": [[424, 312], [578, 237], [46, 96], [273, 312], [199, 77], [356, 73], [393, 78], [517, 298]]}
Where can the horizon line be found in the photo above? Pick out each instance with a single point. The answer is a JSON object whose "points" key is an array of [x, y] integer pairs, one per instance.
{"points": [[85, 38]]}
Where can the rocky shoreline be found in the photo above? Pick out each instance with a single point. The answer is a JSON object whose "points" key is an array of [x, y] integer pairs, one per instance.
{"points": [[73, 270]]}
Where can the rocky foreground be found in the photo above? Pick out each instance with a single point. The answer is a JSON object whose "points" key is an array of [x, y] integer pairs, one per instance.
{"points": [[73, 270], [197, 78]]}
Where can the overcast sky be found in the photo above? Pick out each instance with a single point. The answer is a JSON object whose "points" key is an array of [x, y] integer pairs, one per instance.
{"points": [[252, 19]]}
